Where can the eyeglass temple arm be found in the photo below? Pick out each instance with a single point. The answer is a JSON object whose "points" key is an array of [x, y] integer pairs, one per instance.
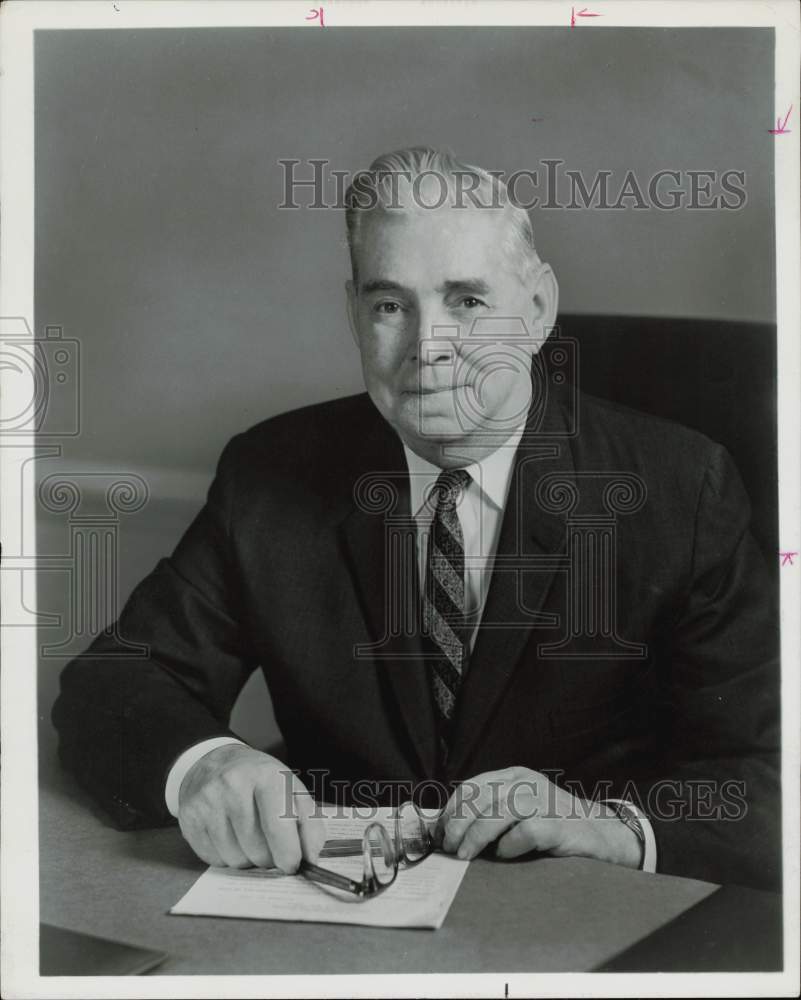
{"points": [[317, 874]]}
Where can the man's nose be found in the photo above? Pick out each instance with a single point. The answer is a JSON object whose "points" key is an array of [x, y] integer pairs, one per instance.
{"points": [[436, 339]]}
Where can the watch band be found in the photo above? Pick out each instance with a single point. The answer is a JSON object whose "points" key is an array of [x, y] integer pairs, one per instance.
{"points": [[627, 815], [637, 821]]}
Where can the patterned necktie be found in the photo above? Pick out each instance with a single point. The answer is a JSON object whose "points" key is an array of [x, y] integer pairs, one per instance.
{"points": [[444, 603]]}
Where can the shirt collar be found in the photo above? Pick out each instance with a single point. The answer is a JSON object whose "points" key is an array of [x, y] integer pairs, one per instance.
{"points": [[492, 474]]}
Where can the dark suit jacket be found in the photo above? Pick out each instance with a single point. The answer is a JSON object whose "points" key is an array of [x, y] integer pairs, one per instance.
{"points": [[671, 699]]}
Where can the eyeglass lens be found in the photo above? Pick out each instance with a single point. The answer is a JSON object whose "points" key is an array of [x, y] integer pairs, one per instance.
{"points": [[380, 860], [414, 838]]}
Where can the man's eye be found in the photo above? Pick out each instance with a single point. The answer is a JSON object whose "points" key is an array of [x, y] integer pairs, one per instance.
{"points": [[471, 302], [388, 308]]}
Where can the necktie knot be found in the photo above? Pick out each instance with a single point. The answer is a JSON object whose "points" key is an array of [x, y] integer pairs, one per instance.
{"points": [[449, 487]]}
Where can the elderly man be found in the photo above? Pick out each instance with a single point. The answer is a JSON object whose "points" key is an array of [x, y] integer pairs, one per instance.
{"points": [[400, 566]]}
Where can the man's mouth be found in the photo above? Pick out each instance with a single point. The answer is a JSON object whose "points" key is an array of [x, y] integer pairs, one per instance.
{"points": [[433, 391]]}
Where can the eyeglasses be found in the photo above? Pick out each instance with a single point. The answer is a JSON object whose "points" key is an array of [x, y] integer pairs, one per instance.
{"points": [[382, 854]]}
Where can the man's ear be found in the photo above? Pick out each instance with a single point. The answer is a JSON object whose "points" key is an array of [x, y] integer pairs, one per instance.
{"points": [[353, 307], [545, 303]]}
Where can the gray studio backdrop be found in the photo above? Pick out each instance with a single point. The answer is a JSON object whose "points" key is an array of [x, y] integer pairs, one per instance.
{"points": [[200, 308]]}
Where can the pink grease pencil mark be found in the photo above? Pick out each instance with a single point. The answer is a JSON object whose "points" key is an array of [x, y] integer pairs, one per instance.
{"points": [[780, 125], [787, 558], [315, 13], [582, 13]]}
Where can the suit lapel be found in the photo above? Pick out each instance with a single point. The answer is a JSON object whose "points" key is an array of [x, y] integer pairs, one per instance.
{"points": [[380, 544], [378, 527], [515, 597]]}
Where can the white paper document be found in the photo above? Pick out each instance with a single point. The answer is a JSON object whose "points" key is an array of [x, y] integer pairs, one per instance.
{"points": [[420, 896]]}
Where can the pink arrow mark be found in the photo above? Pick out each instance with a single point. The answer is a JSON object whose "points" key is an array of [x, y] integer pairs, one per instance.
{"points": [[787, 558], [582, 13]]}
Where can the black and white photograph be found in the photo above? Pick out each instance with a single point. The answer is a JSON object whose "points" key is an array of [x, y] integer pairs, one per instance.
{"points": [[401, 529]]}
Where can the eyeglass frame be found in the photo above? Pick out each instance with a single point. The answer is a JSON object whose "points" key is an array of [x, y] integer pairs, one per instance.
{"points": [[370, 886]]}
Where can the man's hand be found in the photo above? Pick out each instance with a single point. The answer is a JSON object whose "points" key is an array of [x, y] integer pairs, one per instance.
{"points": [[524, 811], [239, 807]]}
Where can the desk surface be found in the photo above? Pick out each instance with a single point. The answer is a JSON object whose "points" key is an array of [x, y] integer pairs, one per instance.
{"points": [[546, 915]]}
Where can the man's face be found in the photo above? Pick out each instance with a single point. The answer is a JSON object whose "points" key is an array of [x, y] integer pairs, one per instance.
{"points": [[446, 321]]}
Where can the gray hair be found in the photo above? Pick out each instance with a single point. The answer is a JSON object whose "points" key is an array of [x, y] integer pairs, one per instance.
{"points": [[377, 189]]}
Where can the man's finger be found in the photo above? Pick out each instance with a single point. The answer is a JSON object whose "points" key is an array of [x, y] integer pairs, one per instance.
{"points": [[200, 842], [280, 829], [481, 832], [460, 810], [311, 826], [467, 792], [482, 796], [530, 835], [250, 835], [225, 842]]}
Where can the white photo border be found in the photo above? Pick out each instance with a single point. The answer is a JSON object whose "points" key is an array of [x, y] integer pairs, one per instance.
{"points": [[20, 876]]}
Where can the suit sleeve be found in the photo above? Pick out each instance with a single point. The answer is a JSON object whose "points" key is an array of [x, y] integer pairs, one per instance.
{"points": [[716, 813], [123, 718]]}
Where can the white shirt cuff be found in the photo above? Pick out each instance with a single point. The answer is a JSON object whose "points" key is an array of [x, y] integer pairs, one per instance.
{"points": [[180, 768], [649, 845]]}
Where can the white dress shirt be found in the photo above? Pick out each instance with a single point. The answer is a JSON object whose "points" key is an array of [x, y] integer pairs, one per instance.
{"points": [[480, 510]]}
